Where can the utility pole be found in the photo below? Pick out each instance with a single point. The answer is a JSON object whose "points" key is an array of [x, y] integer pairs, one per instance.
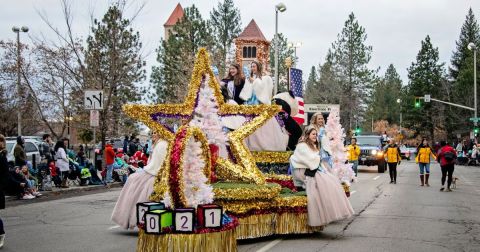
{"points": [[19, 89]]}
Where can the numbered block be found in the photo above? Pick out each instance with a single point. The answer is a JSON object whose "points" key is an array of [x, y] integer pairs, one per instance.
{"points": [[184, 220], [156, 220], [144, 207], [210, 216]]}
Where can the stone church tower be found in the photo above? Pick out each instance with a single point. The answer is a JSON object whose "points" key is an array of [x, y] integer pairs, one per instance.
{"points": [[176, 15]]}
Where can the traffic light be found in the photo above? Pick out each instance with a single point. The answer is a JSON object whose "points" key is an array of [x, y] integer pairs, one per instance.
{"points": [[358, 130], [476, 130], [417, 102]]}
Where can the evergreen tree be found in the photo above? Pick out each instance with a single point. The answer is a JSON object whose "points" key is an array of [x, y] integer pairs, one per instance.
{"points": [[386, 91], [284, 51], [462, 73], [425, 76], [114, 64], [169, 80], [470, 33], [350, 59], [311, 86], [226, 24]]}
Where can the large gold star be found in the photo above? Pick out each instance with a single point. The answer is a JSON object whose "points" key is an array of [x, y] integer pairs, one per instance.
{"points": [[245, 168]]}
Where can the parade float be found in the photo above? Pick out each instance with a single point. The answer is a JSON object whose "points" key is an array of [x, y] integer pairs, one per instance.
{"points": [[209, 191]]}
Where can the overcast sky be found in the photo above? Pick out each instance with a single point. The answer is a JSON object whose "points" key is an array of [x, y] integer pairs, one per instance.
{"points": [[394, 27]]}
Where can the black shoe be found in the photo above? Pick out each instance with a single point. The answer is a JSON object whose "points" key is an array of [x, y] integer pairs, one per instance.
{"points": [[395, 182], [441, 189], [391, 182]]}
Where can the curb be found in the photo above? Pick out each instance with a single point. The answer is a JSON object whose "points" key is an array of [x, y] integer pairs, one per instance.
{"points": [[59, 193]]}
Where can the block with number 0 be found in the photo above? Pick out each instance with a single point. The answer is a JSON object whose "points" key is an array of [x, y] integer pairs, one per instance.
{"points": [[156, 220], [184, 220], [144, 207], [210, 216]]}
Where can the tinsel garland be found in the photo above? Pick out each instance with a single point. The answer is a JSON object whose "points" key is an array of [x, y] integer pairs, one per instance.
{"points": [[293, 203], [258, 192], [275, 157], [224, 241]]}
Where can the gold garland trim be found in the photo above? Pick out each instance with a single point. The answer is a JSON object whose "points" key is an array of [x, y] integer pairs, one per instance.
{"points": [[294, 223], [282, 177], [215, 242], [254, 226], [272, 157], [245, 206], [260, 192]]}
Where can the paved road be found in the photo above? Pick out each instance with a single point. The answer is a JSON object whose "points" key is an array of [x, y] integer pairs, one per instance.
{"points": [[401, 217]]}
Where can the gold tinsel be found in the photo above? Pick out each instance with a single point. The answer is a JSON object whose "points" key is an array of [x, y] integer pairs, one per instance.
{"points": [[245, 170], [278, 176], [214, 242], [245, 206], [254, 226], [272, 157], [259, 192], [260, 225]]}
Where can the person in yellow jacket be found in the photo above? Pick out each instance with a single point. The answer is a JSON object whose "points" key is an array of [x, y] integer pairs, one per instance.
{"points": [[392, 156], [424, 152], [353, 152]]}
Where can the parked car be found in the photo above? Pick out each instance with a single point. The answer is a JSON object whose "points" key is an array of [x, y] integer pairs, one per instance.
{"points": [[31, 149], [371, 151]]}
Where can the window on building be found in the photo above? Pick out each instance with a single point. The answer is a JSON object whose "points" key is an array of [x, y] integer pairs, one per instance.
{"points": [[249, 52]]}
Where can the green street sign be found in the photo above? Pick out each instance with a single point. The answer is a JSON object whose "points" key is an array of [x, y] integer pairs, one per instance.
{"points": [[475, 119]]}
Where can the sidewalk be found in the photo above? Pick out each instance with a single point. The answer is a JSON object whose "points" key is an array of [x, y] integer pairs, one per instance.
{"points": [[57, 193]]}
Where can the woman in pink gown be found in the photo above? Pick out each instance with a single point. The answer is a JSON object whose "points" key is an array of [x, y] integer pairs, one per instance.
{"points": [[139, 186], [326, 198]]}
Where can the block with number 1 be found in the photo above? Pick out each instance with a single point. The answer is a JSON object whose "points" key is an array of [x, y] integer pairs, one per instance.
{"points": [[209, 216]]}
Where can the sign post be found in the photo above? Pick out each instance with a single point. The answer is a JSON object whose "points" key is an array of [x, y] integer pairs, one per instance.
{"points": [[93, 101]]}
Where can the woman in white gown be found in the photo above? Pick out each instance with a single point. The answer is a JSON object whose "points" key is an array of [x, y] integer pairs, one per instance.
{"points": [[139, 186], [326, 199], [258, 89]]}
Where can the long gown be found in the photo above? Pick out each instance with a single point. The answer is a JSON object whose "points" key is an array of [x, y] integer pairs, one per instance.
{"points": [[326, 199], [138, 188], [271, 136]]}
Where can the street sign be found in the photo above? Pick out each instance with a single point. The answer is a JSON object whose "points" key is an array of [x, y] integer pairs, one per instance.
{"points": [[93, 99], [475, 119], [427, 98], [94, 118], [311, 109]]}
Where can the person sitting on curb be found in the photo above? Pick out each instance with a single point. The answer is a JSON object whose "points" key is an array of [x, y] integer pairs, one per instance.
{"points": [[17, 185], [31, 182]]}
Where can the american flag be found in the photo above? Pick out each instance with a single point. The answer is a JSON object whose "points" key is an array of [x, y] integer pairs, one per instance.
{"points": [[296, 86]]}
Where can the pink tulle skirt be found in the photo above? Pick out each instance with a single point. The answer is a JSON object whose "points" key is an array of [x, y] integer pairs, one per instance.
{"points": [[326, 198], [138, 188]]}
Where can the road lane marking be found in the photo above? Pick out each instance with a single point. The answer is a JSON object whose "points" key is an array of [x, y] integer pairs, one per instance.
{"points": [[113, 227], [352, 192], [376, 177], [269, 245]]}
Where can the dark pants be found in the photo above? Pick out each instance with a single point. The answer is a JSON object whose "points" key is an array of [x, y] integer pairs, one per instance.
{"points": [[447, 169], [2, 231], [392, 168]]}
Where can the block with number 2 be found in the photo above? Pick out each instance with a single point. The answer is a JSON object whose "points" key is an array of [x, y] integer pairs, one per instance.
{"points": [[184, 220]]}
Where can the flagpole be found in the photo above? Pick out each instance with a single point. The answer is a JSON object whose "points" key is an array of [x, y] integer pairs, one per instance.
{"points": [[288, 63]]}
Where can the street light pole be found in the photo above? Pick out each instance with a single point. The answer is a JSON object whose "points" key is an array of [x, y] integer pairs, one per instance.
{"points": [[472, 46], [279, 7], [19, 96]]}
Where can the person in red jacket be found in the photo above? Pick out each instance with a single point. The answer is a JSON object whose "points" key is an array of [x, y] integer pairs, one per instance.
{"points": [[109, 159], [446, 157]]}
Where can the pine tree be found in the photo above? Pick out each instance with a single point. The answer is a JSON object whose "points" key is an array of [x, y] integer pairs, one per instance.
{"points": [[350, 60], [384, 97], [176, 56], [470, 33], [284, 51], [114, 64], [226, 24], [311, 86], [462, 73], [425, 76]]}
